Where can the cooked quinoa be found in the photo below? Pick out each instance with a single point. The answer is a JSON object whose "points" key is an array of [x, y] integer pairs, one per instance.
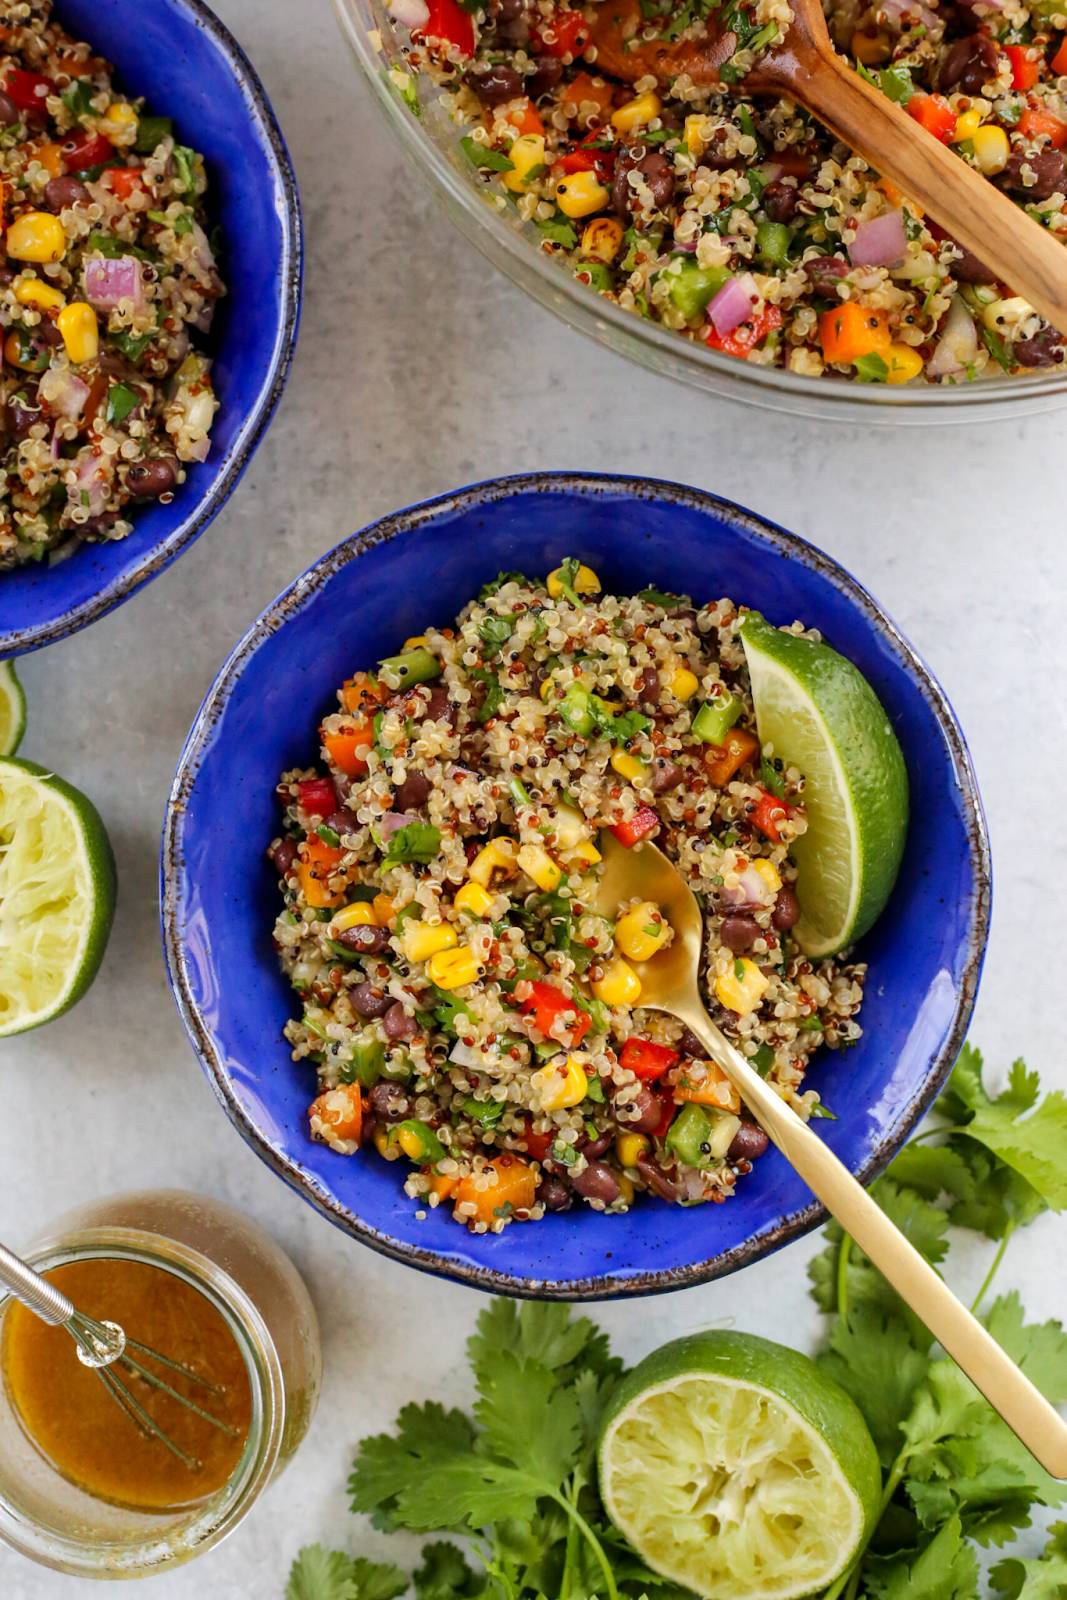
{"points": [[107, 295], [740, 222], [465, 1008]]}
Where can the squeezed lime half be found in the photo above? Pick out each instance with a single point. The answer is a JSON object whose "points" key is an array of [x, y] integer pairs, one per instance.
{"points": [[821, 715], [57, 895], [12, 709], [737, 1468]]}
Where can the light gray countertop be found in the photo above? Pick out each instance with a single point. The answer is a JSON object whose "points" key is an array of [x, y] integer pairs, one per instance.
{"points": [[420, 369]]}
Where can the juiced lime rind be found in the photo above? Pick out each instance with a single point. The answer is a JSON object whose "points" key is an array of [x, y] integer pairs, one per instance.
{"points": [[12, 709], [849, 1490], [93, 884], [821, 715]]}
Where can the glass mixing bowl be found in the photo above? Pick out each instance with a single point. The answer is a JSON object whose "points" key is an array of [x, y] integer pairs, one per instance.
{"points": [[431, 141]]}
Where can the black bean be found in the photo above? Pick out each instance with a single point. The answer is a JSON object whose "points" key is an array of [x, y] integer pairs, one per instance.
{"points": [[9, 111], [496, 85], [22, 412], [658, 172], [282, 855], [658, 1181], [370, 1001], [412, 793], [554, 1194], [507, 10], [390, 1101], [439, 707], [970, 64], [548, 70], [342, 822], [690, 1045], [648, 687], [147, 480], [825, 272], [968, 269], [642, 1114], [364, 939], [1043, 349], [597, 1182], [1050, 174], [399, 1023], [59, 193], [592, 1148], [779, 200], [665, 775], [786, 913], [739, 931], [749, 1143]]}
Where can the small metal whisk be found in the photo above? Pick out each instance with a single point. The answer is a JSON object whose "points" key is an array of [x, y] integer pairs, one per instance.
{"points": [[103, 1346]]}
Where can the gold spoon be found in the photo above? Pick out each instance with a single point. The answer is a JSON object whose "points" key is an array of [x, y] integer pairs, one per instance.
{"points": [[670, 983], [805, 67]]}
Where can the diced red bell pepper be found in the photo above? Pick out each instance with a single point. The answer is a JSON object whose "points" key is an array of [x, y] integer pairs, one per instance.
{"points": [[663, 1126], [933, 112], [1025, 71], [565, 35], [585, 159], [1032, 124], [647, 1060], [769, 814], [546, 1003], [577, 161], [451, 24], [84, 149], [644, 824], [538, 1144], [796, 162], [1059, 60], [746, 337], [318, 797], [28, 89], [124, 181]]}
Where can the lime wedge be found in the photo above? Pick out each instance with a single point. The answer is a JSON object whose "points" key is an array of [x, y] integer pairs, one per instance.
{"points": [[735, 1467], [822, 716], [12, 710], [57, 895]]}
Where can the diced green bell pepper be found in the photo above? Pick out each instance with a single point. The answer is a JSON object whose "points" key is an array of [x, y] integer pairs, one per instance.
{"points": [[576, 710], [366, 1063], [412, 666], [692, 287], [689, 1136], [487, 1112], [599, 276], [773, 240], [715, 719], [430, 1148]]}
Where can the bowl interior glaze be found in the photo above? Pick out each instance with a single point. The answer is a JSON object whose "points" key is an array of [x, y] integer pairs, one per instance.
{"points": [[178, 55], [355, 605]]}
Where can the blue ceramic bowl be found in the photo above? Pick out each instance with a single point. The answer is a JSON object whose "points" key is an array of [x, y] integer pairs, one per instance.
{"points": [[220, 897], [190, 67]]}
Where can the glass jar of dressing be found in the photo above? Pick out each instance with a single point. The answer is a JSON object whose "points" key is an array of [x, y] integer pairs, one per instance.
{"points": [[82, 1489]]}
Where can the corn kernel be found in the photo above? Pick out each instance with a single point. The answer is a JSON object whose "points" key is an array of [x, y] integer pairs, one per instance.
{"points": [[768, 872], [602, 239], [619, 985], [421, 940], [638, 112], [547, 689], [684, 684], [741, 987], [562, 1082], [81, 331], [587, 851], [642, 931], [626, 1189], [36, 236], [381, 1142], [32, 292], [527, 157], [991, 150], [473, 898], [629, 1146], [585, 580], [694, 141], [579, 194], [410, 1142], [384, 910], [454, 969], [904, 363], [120, 116], [628, 766], [967, 125], [418, 641], [1003, 314], [539, 865], [496, 856], [568, 827], [358, 915]]}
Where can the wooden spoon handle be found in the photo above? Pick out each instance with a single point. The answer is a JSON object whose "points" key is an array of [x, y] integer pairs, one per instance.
{"points": [[1022, 1406], [1018, 249]]}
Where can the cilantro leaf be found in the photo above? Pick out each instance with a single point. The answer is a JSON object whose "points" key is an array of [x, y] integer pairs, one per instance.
{"points": [[558, 231], [1026, 1136], [1040, 1349], [479, 155], [416, 842], [1043, 1579], [945, 1570], [528, 1420], [487, 590], [874, 1359], [542, 1330], [320, 1574], [494, 693], [443, 1574]]}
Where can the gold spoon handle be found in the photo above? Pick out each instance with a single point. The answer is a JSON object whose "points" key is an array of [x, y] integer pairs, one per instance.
{"points": [[1026, 1411], [1018, 249]]}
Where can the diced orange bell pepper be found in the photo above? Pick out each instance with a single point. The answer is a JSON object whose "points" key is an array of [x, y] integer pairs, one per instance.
{"points": [[124, 182], [51, 158], [723, 761], [1025, 71], [525, 118], [339, 1111], [1032, 124], [384, 910], [769, 814], [850, 331], [715, 1089], [515, 1189], [538, 1144], [317, 861], [933, 112], [1059, 60], [584, 87], [442, 1184], [362, 693], [347, 749]]}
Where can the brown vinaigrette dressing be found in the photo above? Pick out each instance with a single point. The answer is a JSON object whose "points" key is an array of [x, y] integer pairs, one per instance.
{"points": [[70, 1417]]}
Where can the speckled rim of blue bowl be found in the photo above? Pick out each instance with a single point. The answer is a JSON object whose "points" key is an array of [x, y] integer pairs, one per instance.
{"points": [[21, 641], [301, 593]]}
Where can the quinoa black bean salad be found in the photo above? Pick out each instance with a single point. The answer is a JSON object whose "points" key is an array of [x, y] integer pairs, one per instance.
{"points": [[108, 287], [741, 222], [464, 1009]]}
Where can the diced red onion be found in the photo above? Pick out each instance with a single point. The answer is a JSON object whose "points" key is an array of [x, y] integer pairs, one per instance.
{"points": [[410, 13], [957, 346], [110, 283], [392, 823], [881, 242], [199, 450], [733, 303], [67, 393], [896, 10], [749, 890], [687, 246], [464, 1055], [89, 489]]}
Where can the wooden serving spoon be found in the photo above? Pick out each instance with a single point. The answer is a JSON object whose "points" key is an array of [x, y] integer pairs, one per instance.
{"points": [[805, 66], [670, 982]]}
